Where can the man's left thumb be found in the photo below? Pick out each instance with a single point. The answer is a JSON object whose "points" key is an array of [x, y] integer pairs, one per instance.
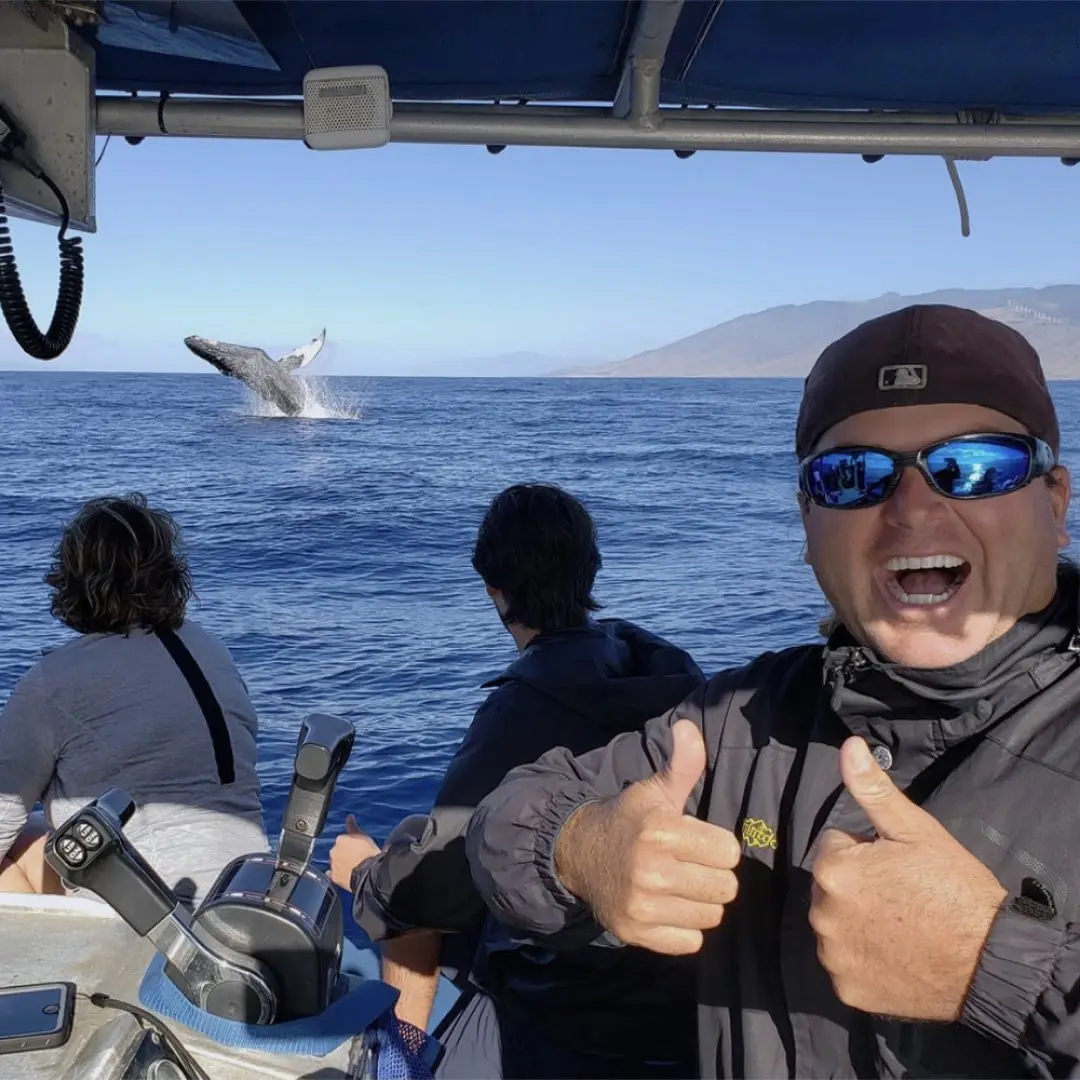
{"points": [[892, 814]]}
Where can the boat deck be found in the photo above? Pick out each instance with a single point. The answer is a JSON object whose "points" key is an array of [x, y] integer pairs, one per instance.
{"points": [[77, 939]]}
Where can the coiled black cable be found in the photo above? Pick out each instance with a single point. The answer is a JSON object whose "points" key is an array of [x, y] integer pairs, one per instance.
{"points": [[187, 1063], [13, 303]]}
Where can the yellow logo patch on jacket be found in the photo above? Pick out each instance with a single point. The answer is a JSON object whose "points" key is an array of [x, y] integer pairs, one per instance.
{"points": [[757, 834]]}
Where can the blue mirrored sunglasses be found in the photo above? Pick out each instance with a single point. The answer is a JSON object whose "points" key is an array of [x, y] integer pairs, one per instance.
{"points": [[964, 467]]}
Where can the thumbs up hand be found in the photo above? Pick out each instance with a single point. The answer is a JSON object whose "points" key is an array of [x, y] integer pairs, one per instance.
{"points": [[901, 918], [350, 849], [652, 875]]}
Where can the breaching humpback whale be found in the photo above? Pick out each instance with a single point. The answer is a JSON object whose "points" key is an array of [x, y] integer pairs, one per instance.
{"points": [[272, 380]]}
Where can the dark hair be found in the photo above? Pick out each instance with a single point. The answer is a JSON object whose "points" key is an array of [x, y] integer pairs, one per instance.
{"points": [[119, 564], [537, 546]]}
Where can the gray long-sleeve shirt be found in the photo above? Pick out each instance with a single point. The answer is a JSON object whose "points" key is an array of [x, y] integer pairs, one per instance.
{"points": [[105, 710]]}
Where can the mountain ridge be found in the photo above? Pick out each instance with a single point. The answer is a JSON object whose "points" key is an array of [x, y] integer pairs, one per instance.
{"points": [[784, 341]]}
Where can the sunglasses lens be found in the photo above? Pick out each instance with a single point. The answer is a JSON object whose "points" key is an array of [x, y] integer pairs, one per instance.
{"points": [[971, 468], [849, 478]]}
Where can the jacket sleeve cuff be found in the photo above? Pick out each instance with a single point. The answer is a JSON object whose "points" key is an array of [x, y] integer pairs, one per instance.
{"points": [[511, 850], [359, 872], [580, 926], [553, 818], [1015, 969], [370, 912]]}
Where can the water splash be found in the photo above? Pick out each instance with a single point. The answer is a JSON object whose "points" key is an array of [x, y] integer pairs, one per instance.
{"points": [[321, 402]]}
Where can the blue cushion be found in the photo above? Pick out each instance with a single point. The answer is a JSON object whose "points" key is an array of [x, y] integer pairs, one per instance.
{"points": [[363, 1004]]}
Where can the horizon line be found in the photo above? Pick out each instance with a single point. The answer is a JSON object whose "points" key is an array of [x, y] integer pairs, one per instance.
{"points": [[553, 377]]}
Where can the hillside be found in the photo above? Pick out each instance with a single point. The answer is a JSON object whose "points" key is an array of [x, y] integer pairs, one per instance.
{"points": [[784, 341]]}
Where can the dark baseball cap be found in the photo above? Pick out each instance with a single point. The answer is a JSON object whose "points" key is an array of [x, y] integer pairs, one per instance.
{"points": [[927, 354]]}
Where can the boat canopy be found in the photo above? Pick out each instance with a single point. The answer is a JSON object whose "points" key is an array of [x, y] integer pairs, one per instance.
{"points": [[948, 56], [962, 79], [966, 78]]}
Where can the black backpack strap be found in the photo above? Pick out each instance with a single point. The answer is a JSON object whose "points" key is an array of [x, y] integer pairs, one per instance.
{"points": [[211, 710]]}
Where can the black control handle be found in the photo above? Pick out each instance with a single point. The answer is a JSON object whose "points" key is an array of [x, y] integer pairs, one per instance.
{"points": [[323, 747], [118, 803], [90, 851], [322, 750]]}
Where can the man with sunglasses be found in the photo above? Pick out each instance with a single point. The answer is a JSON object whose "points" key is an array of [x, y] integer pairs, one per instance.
{"points": [[874, 843]]}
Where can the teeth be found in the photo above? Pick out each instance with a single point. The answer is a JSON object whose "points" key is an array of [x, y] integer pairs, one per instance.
{"points": [[924, 598], [923, 562]]}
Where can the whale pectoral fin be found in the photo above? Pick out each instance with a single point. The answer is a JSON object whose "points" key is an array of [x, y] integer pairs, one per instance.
{"points": [[303, 356], [236, 361]]}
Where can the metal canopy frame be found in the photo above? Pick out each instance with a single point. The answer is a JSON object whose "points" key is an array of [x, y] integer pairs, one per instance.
{"points": [[655, 128]]}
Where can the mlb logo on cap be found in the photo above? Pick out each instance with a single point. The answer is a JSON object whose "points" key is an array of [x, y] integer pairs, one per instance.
{"points": [[902, 377]]}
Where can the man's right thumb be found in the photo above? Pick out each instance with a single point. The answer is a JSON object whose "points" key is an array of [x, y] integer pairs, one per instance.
{"points": [[686, 765]]}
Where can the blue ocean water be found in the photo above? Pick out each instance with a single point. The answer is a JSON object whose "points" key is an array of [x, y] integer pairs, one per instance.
{"points": [[332, 553]]}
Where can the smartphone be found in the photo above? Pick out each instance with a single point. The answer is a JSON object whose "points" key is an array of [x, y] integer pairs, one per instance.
{"points": [[35, 1017]]}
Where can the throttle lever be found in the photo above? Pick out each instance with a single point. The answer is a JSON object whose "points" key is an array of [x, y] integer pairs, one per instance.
{"points": [[90, 851], [322, 749]]}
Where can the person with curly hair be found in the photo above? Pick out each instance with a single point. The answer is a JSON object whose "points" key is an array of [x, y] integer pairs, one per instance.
{"points": [[143, 699]]}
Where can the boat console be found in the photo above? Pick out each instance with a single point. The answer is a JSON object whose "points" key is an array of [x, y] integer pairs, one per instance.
{"points": [[265, 944]]}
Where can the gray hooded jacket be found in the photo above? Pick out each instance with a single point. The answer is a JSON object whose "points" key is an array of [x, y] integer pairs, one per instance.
{"points": [[990, 747]]}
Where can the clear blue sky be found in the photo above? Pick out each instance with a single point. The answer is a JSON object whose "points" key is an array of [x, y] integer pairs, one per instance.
{"points": [[420, 258]]}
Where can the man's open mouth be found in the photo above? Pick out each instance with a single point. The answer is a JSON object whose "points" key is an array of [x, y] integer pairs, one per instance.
{"points": [[925, 579]]}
